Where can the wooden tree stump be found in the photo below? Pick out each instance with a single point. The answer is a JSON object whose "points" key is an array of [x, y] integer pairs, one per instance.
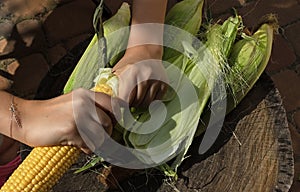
{"points": [[257, 157]]}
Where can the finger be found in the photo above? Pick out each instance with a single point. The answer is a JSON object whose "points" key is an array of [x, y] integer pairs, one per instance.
{"points": [[142, 90], [111, 105], [151, 94], [104, 121], [86, 150], [132, 96], [127, 85], [83, 147], [95, 131], [161, 91]]}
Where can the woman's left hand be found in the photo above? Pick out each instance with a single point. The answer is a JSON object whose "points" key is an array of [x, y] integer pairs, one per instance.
{"points": [[142, 76]]}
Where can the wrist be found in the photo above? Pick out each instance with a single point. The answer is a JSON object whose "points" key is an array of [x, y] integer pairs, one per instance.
{"points": [[146, 51], [19, 112], [40, 117]]}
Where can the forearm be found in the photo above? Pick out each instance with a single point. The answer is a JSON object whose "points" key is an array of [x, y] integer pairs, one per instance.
{"points": [[149, 36], [8, 122], [148, 11], [5, 113]]}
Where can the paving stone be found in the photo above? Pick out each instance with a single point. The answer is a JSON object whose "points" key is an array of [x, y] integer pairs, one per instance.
{"points": [[28, 29], [287, 11], [292, 34], [218, 6], [22, 9], [287, 83], [170, 4], [63, 24], [221, 18], [32, 69], [297, 120], [4, 63], [3, 45], [296, 185], [71, 43], [282, 55], [6, 46], [29, 38], [62, 1], [295, 135], [115, 5], [5, 84], [12, 67], [298, 68], [6, 29], [5, 81], [4, 13], [55, 53]]}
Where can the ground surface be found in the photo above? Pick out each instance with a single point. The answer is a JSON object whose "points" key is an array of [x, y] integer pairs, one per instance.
{"points": [[35, 36]]}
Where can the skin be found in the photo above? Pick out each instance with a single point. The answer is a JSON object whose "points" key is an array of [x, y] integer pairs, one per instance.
{"points": [[52, 122], [141, 61]]}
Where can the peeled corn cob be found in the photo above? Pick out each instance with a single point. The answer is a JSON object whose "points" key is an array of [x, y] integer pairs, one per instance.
{"points": [[44, 166], [41, 169]]}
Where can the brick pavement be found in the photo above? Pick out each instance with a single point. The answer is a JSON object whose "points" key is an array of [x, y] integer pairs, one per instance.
{"points": [[36, 34]]}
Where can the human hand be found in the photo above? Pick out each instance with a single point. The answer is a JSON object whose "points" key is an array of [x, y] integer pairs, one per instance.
{"points": [[58, 121], [142, 77]]}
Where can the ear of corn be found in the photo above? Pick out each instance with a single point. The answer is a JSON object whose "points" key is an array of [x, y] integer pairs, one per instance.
{"points": [[185, 15], [247, 59], [41, 169]]}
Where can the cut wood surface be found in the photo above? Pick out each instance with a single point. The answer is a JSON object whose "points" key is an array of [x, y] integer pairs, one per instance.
{"points": [[257, 157]]}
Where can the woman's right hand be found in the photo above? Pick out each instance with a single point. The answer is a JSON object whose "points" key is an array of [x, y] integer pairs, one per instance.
{"points": [[56, 121]]}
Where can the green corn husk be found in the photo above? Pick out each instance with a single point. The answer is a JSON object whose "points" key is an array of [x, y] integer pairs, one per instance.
{"points": [[185, 15], [116, 44], [219, 41], [248, 59], [87, 68], [202, 68], [230, 29]]}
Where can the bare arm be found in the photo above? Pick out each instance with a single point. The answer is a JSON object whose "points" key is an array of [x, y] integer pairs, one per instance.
{"points": [[140, 71], [54, 121], [148, 11], [5, 113]]}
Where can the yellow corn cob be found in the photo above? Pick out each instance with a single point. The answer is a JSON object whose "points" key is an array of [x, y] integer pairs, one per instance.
{"points": [[41, 169], [103, 88], [44, 166]]}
